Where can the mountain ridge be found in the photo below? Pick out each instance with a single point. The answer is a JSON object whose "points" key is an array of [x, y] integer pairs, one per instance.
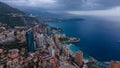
{"points": [[15, 17]]}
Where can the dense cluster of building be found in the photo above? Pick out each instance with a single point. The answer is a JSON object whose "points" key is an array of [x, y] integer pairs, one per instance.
{"points": [[43, 50]]}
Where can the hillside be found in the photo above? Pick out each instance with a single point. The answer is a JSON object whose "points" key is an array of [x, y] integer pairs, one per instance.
{"points": [[14, 17]]}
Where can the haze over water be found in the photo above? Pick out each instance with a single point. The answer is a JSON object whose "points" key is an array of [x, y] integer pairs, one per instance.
{"points": [[100, 38]]}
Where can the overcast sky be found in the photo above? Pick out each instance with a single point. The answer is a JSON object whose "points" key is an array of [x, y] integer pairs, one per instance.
{"points": [[76, 7]]}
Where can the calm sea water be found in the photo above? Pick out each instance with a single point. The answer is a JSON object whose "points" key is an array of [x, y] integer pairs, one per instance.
{"points": [[99, 38]]}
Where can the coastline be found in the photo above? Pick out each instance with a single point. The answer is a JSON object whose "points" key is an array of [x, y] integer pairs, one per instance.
{"points": [[73, 48], [86, 58], [93, 41]]}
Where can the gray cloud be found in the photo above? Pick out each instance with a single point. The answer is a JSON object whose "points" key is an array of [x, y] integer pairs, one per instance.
{"points": [[88, 4], [31, 3], [66, 5]]}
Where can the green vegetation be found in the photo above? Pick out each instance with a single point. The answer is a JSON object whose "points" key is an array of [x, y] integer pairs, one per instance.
{"points": [[63, 39], [11, 21], [4, 9], [13, 45], [14, 17], [68, 39], [6, 17], [72, 19]]}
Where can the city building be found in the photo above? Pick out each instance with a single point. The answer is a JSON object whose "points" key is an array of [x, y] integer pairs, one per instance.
{"points": [[54, 63], [22, 36], [56, 38], [114, 64], [22, 51], [1, 50], [78, 58], [40, 40], [30, 40], [13, 53], [49, 31]]}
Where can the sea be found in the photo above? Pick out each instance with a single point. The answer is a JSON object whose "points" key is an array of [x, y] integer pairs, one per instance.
{"points": [[99, 38]]}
